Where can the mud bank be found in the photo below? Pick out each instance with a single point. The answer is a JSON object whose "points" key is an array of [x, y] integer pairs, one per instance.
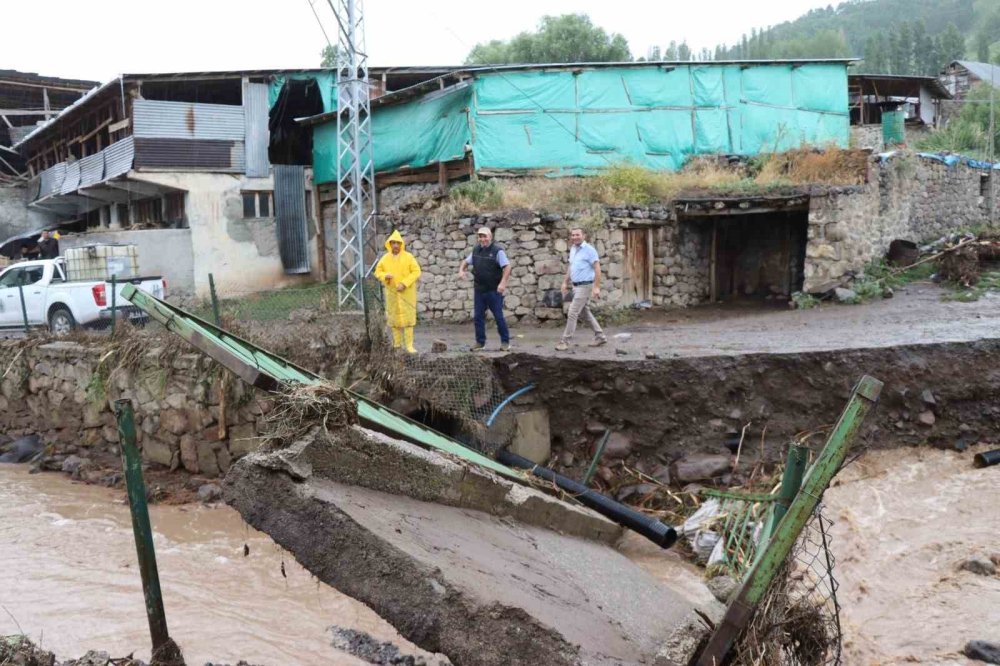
{"points": [[939, 394]]}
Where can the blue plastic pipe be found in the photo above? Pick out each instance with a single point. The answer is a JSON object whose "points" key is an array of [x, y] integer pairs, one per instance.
{"points": [[519, 392]]}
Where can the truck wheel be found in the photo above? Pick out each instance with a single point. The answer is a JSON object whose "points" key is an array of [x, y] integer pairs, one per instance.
{"points": [[61, 321]]}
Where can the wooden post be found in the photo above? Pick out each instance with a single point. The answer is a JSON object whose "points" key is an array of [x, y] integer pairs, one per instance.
{"points": [[320, 231], [713, 268]]}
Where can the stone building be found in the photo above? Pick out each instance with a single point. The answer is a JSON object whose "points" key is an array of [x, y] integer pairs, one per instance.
{"points": [[698, 248]]}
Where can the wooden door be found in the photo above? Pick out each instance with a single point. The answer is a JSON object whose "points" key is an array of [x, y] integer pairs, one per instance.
{"points": [[637, 282]]}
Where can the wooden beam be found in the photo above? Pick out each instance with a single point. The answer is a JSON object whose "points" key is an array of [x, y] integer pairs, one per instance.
{"points": [[713, 267], [91, 133], [8, 82], [25, 112], [120, 125]]}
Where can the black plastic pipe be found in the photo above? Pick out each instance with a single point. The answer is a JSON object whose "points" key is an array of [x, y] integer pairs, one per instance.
{"points": [[662, 535], [987, 458]]}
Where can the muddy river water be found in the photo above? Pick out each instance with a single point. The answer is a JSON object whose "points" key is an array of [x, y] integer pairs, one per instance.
{"points": [[68, 578]]}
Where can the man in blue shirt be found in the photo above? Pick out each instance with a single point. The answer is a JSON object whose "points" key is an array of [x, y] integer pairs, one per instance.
{"points": [[584, 275], [490, 272]]}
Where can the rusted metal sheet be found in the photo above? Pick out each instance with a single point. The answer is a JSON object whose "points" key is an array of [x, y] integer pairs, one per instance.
{"points": [[71, 180], [51, 180], [226, 156], [290, 214], [91, 169], [256, 113], [184, 120], [118, 158]]}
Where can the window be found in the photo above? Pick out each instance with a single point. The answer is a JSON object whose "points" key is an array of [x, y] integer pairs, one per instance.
{"points": [[173, 203], [257, 204], [22, 276], [11, 277], [149, 211]]}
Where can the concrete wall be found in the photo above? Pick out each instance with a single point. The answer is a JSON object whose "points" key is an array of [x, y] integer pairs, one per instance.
{"points": [[16, 217], [908, 198], [165, 252], [242, 254]]}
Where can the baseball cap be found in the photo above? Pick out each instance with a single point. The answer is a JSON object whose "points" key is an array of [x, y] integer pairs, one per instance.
{"points": [[484, 230]]}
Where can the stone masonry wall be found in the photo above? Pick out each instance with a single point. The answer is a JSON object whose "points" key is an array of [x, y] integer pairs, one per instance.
{"points": [[908, 198], [56, 391], [538, 247]]}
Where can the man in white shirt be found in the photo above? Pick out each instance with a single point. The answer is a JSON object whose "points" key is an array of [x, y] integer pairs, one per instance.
{"points": [[584, 276]]}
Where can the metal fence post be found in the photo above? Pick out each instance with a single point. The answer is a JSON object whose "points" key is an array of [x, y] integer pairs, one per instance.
{"points": [[768, 565], [114, 302], [141, 529], [791, 481], [24, 308], [215, 299]]}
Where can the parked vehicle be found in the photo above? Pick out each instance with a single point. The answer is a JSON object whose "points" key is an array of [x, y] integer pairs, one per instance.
{"points": [[63, 305]]}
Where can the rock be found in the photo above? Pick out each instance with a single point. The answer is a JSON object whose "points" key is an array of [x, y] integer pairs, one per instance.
{"points": [[888, 292], [189, 453], [596, 427], [662, 474], [618, 446], [439, 346], [73, 464], [980, 566], [22, 449], [983, 651], [639, 490], [652, 355], [845, 295], [621, 352], [93, 658], [701, 467], [158, 452], [736, 414], [722, 588], [964, 427], [175, 421], [210, 492], [622, 336], [927, 418], [567, 459], [553, 298], [928, 398]]}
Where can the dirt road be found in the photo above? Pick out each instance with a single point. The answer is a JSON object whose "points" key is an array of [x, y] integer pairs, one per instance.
{"points": [[915, 315], [904, 521]]}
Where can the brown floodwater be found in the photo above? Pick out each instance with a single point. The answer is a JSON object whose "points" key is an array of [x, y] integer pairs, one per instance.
{"points": [[69, 580]]}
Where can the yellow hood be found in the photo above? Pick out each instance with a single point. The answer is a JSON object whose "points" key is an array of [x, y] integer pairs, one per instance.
{"points": [[395, 236]]}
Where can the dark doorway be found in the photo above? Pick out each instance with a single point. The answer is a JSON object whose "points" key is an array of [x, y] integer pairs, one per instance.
{"points": [[291, 143], [760, 256]]}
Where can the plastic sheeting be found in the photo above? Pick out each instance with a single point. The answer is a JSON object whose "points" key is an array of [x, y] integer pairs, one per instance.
{"points": [[657, 117], [432, 129], [327, 88]]}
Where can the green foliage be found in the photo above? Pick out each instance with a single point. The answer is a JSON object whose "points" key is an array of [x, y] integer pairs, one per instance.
{"points": [[566, 38], [988, 282], [804, 301], [479, 193], [329, 57], [969, 133], [628, 182]]}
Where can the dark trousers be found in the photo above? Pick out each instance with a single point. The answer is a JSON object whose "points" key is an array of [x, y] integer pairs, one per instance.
{"points": [[494, 302]]}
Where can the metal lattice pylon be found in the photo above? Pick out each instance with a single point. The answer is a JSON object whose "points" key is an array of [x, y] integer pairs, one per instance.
{"points": [[355, 164]]}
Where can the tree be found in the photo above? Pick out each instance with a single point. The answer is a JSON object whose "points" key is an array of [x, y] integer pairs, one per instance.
{"points": [[952, 45], [982, 47], [654, 54], [684, 51], [671, 52], [566, 38], [329, 57]]}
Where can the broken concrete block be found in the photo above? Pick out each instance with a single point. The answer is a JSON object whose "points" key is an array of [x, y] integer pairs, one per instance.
{"points": [[983, 651], [532, 439], [441, 550], [701, 467]]}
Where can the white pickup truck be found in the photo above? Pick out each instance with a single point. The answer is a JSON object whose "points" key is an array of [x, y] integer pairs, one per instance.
{"points": [[62, 305]]}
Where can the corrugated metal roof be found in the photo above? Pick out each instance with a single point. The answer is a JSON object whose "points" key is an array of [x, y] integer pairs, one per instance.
{"points": [[50, 180], [210, 155], [184, 120], [92, 169], [71, 180], [118, 158], [256, 110], [290, 215], [982, 70], [69, 109]]}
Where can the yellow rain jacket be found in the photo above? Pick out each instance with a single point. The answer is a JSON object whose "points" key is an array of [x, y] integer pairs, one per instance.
{"points": [[400, 306]]}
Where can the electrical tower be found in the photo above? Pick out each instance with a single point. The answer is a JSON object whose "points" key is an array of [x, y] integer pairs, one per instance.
{"points": [[355, 162]]}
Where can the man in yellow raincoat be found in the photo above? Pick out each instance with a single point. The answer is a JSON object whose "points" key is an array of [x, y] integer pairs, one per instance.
{"points": [[398, 271]]}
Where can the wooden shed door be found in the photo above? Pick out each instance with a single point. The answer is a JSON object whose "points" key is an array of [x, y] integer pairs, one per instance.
{"points": [[638, 273]]}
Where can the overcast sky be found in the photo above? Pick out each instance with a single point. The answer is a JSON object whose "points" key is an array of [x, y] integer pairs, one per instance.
{"points": [[99, 39]]}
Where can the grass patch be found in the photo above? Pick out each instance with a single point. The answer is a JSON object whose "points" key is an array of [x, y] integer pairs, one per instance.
{"points": [[275, 304], [627, 183], [804, 301], [988, 281]]}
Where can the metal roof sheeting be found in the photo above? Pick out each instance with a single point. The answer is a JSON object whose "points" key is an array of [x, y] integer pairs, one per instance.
{"points": [[982, 70], [255, 107], [51, 180], [72, 179], [118, 158], [290, 213], [92, 169], [183, 120], [164, 153]]}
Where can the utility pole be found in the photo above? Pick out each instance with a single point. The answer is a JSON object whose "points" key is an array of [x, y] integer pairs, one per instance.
{"points": [[355, 160]]}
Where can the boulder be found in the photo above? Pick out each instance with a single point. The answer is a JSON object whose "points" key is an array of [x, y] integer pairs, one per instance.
{"points": [[701, 467]]}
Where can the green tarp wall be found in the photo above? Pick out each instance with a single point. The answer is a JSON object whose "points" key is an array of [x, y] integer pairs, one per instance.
{"points": [[570, 122]]}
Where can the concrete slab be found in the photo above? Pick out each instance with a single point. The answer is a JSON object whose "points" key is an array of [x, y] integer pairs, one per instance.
{"points": [[482, 586]]}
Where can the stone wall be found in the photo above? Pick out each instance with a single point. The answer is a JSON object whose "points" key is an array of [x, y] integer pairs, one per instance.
{"points": [[908, 198], [58, 391], [538, 244]]}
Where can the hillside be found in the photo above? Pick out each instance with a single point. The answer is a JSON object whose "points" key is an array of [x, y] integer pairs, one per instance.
{"points": [[893, 36]]}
